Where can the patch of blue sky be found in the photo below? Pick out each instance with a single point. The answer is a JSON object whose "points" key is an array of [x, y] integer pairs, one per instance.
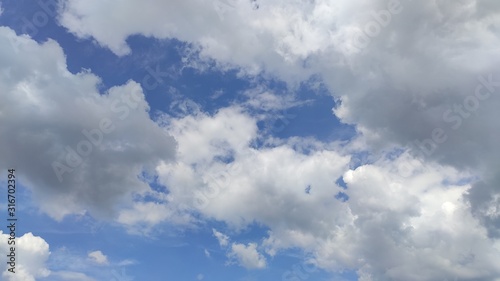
{"points": [[340, 182], [342, 196]]}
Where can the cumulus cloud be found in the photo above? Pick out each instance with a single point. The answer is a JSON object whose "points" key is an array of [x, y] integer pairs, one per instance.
{"points": [[79, 150], [32, 253], [247, 256], [244, 255], [98, 257]]}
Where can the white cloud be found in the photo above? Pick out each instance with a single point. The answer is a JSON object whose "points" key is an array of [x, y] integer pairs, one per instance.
{"points": [[207, 253], [265, 100], [247, 256], [98, 257], [89, 148], [143, 216], [31, 252], [222, 238], [200, 276]]}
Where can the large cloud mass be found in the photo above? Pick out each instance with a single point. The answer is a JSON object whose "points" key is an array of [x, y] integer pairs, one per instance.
{"points": [[81, 150]]}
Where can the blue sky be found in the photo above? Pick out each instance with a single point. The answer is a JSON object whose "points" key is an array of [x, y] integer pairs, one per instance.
{"points": [[251, 140]]}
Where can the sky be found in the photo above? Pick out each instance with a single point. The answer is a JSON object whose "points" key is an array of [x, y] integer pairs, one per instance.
{"points": [[251, 140]]}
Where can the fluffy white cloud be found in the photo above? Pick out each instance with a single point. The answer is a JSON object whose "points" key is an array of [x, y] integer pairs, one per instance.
{"points": [[98, 257], [244, 255], [32, 260], [31, 252], [79, 150], [247, 256], [141, 217]]}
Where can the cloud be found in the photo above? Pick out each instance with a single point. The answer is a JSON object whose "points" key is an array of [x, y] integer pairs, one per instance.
{"points": [[80, 150], [200, 276], [143, 216], [412, 211], [98, 257], [71, 276], [126, 262], [71, 264], [247, 256], [32, 253], [222, 238]]}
